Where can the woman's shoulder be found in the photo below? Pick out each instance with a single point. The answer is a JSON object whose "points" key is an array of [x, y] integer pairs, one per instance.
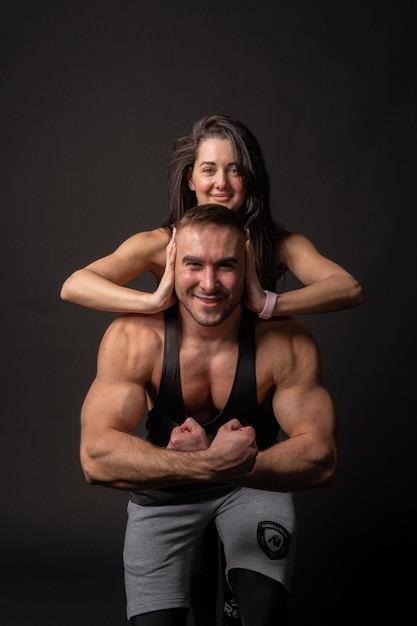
{"points": [[156, 238], [294, 244], [146, 245]]}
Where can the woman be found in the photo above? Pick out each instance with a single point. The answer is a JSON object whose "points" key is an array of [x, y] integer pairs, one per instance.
{"points": [[221, 162]]}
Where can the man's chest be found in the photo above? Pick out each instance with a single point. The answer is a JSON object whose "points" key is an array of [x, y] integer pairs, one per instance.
{"points": [[207, 382]]}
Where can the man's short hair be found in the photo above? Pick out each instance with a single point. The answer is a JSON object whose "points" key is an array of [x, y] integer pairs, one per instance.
{"points": [[205, 214]]}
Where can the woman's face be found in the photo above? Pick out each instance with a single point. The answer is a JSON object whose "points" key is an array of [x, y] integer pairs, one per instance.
{"points": [[215, 177]]}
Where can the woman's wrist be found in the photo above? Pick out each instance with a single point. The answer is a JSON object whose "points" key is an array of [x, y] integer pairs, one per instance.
{"points": [[269, 306]]}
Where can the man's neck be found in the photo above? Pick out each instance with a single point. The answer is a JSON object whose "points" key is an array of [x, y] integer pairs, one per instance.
{"points": [[225, 332]]}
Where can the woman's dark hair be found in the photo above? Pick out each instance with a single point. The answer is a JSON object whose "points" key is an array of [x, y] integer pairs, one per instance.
{"points": [[266, 234]]}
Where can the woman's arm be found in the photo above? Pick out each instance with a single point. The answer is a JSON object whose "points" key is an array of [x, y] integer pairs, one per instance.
{"points": [[327, 286], [100, 285]]}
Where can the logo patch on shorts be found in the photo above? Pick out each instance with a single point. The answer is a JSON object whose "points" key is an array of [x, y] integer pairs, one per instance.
{"points": [[274, 539]]}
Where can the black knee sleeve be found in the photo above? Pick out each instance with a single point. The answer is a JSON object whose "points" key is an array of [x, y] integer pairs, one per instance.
{"points": [[260, 599]]}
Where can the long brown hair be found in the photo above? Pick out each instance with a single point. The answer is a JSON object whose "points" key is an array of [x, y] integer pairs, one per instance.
{"points": [[266, 233]]}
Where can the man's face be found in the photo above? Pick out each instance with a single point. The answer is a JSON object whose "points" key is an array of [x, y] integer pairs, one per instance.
{"points": [[209, 271]]}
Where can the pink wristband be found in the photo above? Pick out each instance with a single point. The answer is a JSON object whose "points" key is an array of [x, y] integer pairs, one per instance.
{"points": [[269, 305]]}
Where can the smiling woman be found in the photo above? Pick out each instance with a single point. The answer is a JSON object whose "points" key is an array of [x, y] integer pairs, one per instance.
{"points": [[327, 286], [215, 175]]}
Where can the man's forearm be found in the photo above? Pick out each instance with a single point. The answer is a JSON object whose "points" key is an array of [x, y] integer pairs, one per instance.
{"points": [[123, 461], [292, 465]]}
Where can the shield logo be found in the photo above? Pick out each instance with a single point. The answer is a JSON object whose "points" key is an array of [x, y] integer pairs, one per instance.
{"points": [[274, 539]]}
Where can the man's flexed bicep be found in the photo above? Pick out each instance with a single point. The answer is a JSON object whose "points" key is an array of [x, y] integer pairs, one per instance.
{"points": [[113, 408], [309, 454], [109, 415], [306, 413]]}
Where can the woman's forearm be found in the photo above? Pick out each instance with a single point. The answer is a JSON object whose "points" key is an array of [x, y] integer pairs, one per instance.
{"points": [[88, 289], [334, 293]]}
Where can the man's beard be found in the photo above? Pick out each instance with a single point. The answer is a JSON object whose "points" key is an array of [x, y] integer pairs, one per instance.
{"points": [[211, 319]]}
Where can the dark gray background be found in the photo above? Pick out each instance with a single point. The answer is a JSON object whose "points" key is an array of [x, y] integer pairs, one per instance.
{"points": [[93, 93]]}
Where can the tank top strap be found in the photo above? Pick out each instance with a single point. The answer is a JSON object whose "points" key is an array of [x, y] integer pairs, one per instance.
{"points": [[243, 395], [170, 394]]}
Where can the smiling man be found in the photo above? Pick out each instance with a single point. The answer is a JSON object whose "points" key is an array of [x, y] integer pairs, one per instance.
{"points": [[237, 419], [209, 271]]}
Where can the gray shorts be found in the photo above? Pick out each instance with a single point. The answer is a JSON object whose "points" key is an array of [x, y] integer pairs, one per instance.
{"points": [[258, 530]]}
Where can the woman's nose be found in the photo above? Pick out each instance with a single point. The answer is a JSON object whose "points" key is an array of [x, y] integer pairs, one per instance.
{"points": [[221, 180]]}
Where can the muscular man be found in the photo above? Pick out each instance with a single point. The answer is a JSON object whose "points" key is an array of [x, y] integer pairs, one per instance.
{"points": [[237, 419]]}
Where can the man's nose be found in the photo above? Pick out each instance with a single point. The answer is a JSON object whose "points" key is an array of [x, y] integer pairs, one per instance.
{"points": [[208, 280]]}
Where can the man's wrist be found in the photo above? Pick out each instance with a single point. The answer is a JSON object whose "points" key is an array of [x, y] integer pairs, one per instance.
{"points": [[269, 306]]}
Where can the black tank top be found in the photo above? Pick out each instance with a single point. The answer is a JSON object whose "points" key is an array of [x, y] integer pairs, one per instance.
{"points": [[169, 410]]}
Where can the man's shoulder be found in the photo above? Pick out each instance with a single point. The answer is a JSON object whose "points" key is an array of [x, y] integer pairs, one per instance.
{"points": [[284, 333], [287, 349], [286, 326], [133, 346], [135, 330]]}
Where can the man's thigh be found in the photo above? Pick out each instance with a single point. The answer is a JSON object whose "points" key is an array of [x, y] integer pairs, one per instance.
{"points": [[259, 532], [159, 550]]}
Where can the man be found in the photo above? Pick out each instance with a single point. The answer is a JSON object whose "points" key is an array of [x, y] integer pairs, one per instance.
{"points": [[238, 418]]}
